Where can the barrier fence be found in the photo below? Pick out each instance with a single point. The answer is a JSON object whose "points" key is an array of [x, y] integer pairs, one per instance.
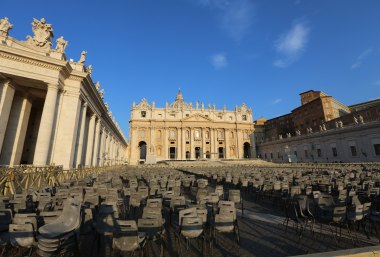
{"points": [[23, 178]]}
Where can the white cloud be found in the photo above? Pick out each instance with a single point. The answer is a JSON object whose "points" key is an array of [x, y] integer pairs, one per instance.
{"points": [[276, 101], [219, 61], [290, 45], [235, 17], [221, 4], [361, 58]]}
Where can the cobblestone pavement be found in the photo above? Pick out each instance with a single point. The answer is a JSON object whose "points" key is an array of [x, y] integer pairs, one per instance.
{"points": [[261, 234]]}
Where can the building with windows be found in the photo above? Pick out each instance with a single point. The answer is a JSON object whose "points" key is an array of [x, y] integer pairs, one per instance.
{"points": [[51, 112], [351, 143], [181, 131], [322, 130]]}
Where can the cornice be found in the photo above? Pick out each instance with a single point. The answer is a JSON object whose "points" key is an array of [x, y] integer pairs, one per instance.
{"points": [[30, 61]]}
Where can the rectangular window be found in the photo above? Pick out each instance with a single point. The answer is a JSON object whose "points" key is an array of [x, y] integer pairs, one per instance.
{"points": [[353, 151], [271, 155], [306, 154], [334, 151], [319, 152], [143, 114], [377, 149], [295, 153], [244, 117]]}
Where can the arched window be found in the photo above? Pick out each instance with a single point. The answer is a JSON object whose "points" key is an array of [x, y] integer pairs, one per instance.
{"points": [[172, 134]]}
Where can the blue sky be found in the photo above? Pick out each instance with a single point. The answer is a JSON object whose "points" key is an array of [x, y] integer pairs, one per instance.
{"points": [[261, 52]]}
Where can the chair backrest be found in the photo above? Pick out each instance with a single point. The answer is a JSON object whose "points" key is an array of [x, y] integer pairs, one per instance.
{"points": [[339, 214], [152, 227], [125, 236], [21, 235], [191, 227], [50, 216], [226, 204], [202, 213], [228, 210], [367, 208], [359, 212], [177, 201], [224, 222], [135, 199], [189, 212], [326, 200], [234, 196], [154, 203], [219, 190], [25, 218], [5, 219]]}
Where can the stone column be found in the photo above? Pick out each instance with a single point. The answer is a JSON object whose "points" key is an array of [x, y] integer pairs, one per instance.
{"points": [[106, 145], [81, 135], [16, 131], [101, 148], [216, 145], [111, 150], [90, 140], [7, 92], [203, 143], [96, 144], [179, 145], [183, 143], [166, 150], [192, 150], [227, 144], [46, 126], [238, 140]]}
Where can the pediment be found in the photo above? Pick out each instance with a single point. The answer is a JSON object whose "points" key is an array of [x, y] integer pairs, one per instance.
{"points": [[197, 117]]}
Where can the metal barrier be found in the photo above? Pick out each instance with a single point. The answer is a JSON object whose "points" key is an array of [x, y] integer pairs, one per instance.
{"points": [[23, 178]]}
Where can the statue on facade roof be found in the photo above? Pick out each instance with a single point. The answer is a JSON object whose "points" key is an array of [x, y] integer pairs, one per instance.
{"points": [[89, 69], [82, 58], [43, 34], [106, 105], [5, 26], [361, 120], [97, 85], [61, 45], [101, 93]]}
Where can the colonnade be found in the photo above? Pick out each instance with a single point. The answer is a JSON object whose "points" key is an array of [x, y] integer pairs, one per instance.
{"points": [[61, 129]]}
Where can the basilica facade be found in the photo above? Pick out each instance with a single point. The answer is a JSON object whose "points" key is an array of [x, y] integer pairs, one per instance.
{"points": [[181, 131]]}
